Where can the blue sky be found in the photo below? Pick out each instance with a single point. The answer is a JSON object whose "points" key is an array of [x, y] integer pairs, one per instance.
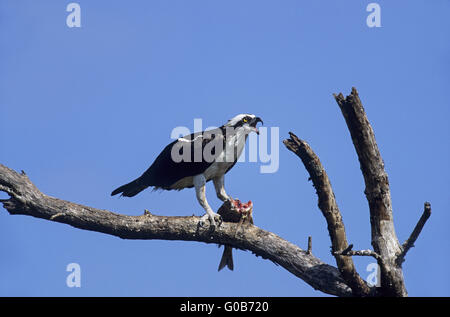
{"points": [[84, 110]]}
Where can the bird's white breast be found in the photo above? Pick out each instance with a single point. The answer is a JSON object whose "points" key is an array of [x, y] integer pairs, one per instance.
{"points": [[234, 146]]}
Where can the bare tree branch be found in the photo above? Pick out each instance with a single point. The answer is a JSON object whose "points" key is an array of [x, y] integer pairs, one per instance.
{"points": [[26, 199], [384, 238], [350, 252], [415, 234], [328, 206]]}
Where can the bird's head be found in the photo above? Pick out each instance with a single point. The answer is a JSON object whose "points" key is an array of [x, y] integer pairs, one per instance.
{"points": [[247, 122]]}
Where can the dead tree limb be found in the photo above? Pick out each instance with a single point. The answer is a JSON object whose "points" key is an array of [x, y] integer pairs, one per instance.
{"points": [[387, 250], [26, 199], [384, 238], [350, 252], [330, 210], [415, 234]]}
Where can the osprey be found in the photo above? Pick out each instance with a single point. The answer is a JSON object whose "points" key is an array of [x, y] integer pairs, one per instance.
{"points": [[193, 160]]}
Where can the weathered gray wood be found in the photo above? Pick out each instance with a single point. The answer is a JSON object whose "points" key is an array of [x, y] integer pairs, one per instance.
{"points": [[330, 210], [384, 238], [408, 244], [26, 199]]}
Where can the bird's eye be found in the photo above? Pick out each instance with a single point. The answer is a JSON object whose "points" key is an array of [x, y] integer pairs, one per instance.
{"points": [[245, 120]]}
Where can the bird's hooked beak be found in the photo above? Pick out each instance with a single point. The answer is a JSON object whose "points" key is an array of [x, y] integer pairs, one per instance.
{"points": [[254, 122]]}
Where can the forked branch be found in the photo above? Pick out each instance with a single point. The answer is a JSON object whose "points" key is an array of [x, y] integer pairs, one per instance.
{"points": [[384, 238]]}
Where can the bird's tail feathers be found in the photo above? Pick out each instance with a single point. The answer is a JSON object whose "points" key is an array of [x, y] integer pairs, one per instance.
{"points": [[227, 258], [131, 189]]}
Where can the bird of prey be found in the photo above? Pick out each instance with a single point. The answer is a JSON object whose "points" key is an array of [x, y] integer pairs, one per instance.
{"points": [[193, 160]]}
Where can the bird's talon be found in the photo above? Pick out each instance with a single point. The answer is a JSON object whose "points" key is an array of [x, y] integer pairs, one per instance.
{"points": [[211, 220]]}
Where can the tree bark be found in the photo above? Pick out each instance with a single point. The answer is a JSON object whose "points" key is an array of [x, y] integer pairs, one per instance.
{"points": [[387, 250], [384, 238], [26, 199], [330, 210]]}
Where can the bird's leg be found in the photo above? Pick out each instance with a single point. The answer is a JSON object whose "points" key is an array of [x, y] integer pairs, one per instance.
{"points": [[220, 188], [199, 183]]}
